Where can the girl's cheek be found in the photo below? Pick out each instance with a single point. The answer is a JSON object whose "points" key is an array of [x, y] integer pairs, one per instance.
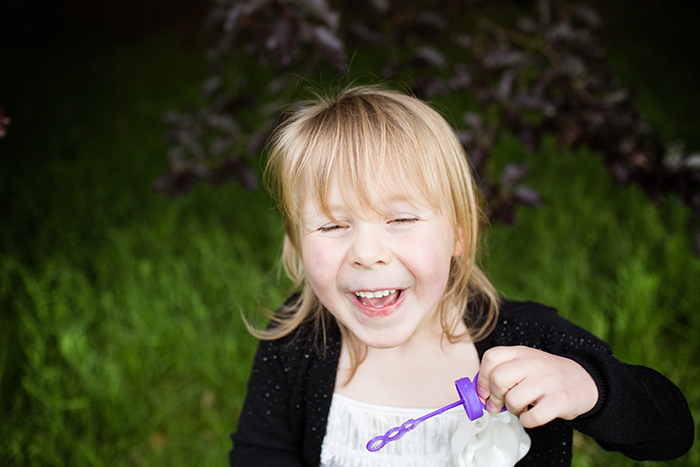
{"points": [[318, 260]]}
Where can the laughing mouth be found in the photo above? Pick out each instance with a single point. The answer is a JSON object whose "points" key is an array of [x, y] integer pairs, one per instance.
{"points": [[379, 298]]}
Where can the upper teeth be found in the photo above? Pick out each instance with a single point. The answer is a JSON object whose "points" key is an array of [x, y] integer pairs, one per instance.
{"points": [[377, 294]]}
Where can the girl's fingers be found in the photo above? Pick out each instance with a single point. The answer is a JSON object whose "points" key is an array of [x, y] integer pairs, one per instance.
{"points": [[537, 415], [535, 385], [521, 398], [504, 379], [492, 359]]}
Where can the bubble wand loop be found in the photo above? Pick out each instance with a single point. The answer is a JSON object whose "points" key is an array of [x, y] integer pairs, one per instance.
{"points": [[378, 442], [468, 398]]}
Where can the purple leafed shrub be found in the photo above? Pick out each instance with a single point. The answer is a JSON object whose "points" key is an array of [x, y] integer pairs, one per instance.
{"points": [[4, 121], [544, 74]]}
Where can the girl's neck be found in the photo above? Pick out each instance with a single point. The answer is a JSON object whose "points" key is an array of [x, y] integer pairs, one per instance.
{"points": [[419, 374]]}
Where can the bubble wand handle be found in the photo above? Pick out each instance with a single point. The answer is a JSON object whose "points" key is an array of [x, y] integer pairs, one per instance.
{"points": [[378, 442], [468, 398]]}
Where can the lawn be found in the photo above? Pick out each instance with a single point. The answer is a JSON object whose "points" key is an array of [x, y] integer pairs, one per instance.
{"points": [[121, 339]]}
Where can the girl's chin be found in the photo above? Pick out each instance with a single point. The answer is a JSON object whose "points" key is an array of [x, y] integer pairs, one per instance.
{"points": [[381, 340]]}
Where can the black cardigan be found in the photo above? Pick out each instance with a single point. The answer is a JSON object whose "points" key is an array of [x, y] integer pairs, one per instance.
{"points": [[639, 412]]}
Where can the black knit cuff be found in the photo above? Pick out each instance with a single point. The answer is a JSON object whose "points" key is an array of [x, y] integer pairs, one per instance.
{"points": [[588, 359]]}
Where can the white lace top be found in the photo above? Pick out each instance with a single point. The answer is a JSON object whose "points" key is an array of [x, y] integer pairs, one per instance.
{"points": [[449, 439]]}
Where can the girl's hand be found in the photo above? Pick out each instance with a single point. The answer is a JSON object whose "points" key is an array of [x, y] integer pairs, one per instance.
{"points": [[535, 385]]}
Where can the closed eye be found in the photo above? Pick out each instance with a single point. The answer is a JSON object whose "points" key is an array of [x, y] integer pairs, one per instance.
{"points": [[330, 228], [405, 220]]}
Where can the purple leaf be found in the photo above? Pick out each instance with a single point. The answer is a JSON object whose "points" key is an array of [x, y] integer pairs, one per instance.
{"points": [[222, 122], [473, 120], [432, 19], [513, 174], [241, 9], [233, 16], [543, 81], [527, 196], [562, 31], [575, 65], [431, 56], [673, 156], [695, 203], [505, 85], [237, 170], [461, 80], [4, 121], [366, 35], [178, 156], [587, 14], [276, 85], [483, 96], [594, 118], [503, 58], [321, 10], [506, 213], [382, 6], [462, 40], [616, 97], [256, 142], [570, 136], [391, 67], [283, 41], [478, 157], [465, 137], [641, 159], [211, 86], [219, 146], [692, 161], [172, 118], [330, 45], [527, 25], [187, 145], [530, 139], [247, 178], [535, 102], [620, 173], [432, 87]]}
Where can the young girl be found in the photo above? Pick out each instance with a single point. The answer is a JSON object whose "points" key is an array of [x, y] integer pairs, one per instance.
{"points": [[382, 220]]}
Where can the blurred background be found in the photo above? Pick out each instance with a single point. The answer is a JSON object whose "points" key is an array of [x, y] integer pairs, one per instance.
{"points": [[133, 235]]}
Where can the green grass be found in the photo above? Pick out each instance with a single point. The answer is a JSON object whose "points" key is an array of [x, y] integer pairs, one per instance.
{"points": [[121, 341], [144, 357]]}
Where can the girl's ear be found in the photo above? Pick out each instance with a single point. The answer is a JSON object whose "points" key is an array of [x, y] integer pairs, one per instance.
{"points": [[459, 243]]}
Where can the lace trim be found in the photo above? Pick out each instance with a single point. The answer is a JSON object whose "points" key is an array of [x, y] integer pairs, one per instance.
{"points": [[449, 440]]}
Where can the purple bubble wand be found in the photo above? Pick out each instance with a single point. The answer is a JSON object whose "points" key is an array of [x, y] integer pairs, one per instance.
{"points": [[466, 389]]}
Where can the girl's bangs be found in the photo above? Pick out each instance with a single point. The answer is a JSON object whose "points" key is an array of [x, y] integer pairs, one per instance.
{"points": [[375, 161]]}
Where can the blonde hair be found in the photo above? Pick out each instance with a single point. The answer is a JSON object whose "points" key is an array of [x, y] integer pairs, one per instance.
{"points": [[365, 130]]}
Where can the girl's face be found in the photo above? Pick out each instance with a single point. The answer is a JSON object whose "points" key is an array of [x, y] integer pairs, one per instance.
{"points": [[380, 273]]}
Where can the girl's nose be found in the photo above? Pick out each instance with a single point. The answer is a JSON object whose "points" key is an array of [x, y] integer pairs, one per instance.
{"points": [[368, 248]]}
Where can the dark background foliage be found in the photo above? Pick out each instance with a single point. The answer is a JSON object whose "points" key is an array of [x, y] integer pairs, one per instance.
{"points": [[537, 72]]}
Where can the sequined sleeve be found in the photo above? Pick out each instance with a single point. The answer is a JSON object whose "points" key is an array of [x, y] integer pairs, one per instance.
{"points": [[284, 415], [639, 411], [265, 435]]}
